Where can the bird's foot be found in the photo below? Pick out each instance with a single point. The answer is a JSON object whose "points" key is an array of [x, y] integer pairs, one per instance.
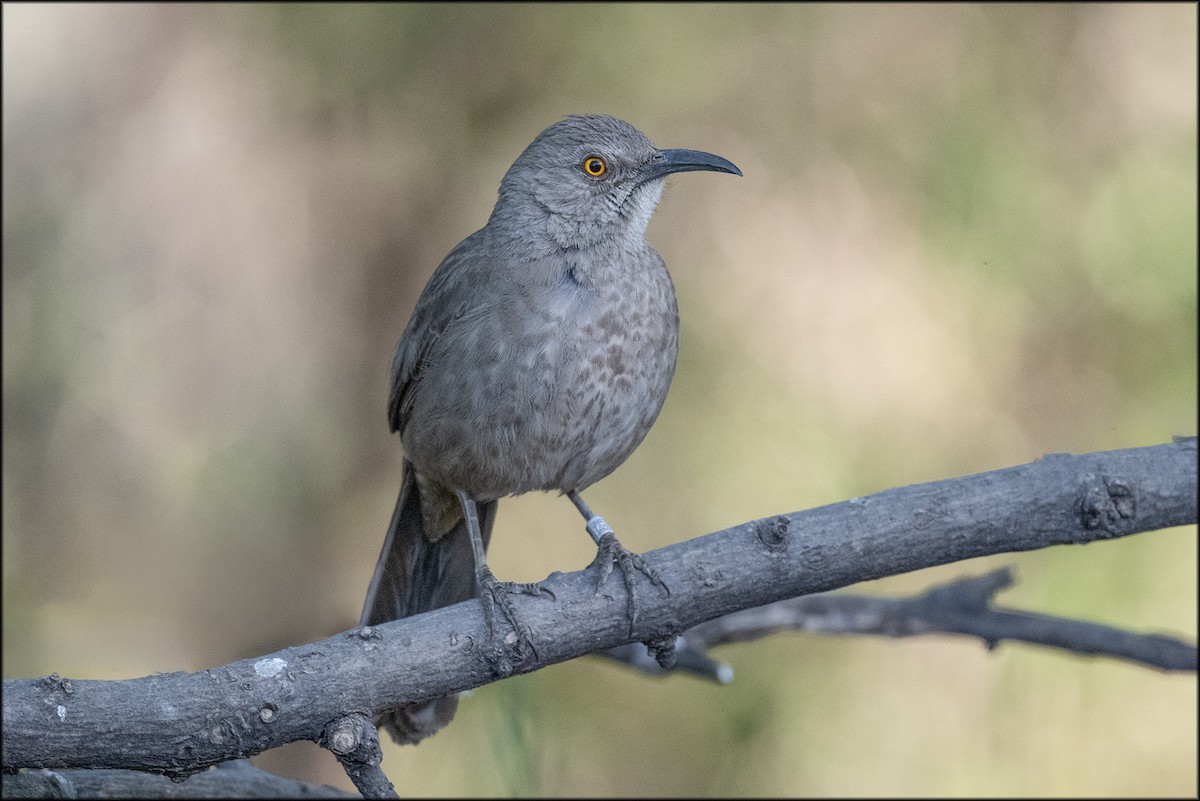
{"points": [[495, 594], [531, 588], [612, 552]]}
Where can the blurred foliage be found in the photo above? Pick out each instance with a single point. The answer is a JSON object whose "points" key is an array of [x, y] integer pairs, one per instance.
{"points": [[966, 237]]}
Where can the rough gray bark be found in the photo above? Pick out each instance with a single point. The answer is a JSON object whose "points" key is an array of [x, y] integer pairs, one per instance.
{"points": [[235, 779], [179, 723]]}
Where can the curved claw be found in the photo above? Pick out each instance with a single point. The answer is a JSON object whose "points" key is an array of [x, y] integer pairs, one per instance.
{"points": [[530, 588], [612, 552], [495, 593]]}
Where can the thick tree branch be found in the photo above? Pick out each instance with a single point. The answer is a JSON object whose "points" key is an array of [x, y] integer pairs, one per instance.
{"points": [[181, 723]]}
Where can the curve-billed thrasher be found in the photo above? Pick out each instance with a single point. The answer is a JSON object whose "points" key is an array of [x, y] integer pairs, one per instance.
{"points": [[537, 358]]}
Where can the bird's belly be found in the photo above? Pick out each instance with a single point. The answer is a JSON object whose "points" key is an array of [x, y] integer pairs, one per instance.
{"points": [[603, 413], [547, 413]]}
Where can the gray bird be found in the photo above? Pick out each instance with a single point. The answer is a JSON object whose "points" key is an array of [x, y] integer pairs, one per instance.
{"points": [[537, 358]]}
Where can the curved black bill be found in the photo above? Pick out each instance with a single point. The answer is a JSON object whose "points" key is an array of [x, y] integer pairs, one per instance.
{"points": [[683, 160]]}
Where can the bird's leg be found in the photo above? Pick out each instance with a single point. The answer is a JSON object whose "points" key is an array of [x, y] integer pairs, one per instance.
{"points": [[494, 593], [612, 552]]}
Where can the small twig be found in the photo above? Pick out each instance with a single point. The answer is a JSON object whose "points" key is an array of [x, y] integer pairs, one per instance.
{"points": [[960, 607], [354, 740]]}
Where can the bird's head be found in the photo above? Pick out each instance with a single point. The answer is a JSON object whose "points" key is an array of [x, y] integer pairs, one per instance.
{"points": [[590, 180]]}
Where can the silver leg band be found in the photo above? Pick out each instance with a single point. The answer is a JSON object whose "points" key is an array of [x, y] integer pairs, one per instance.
{"points": [[597, 527]]}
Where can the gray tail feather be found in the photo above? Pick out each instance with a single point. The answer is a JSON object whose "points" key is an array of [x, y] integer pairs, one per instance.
{"points": [[415, 574]]}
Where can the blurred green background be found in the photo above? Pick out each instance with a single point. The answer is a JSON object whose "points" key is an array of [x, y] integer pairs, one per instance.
{"points": [[966, 237]]}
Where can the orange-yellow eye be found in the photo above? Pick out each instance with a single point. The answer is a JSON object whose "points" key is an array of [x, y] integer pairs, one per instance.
{"points": [[594, 166]]}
